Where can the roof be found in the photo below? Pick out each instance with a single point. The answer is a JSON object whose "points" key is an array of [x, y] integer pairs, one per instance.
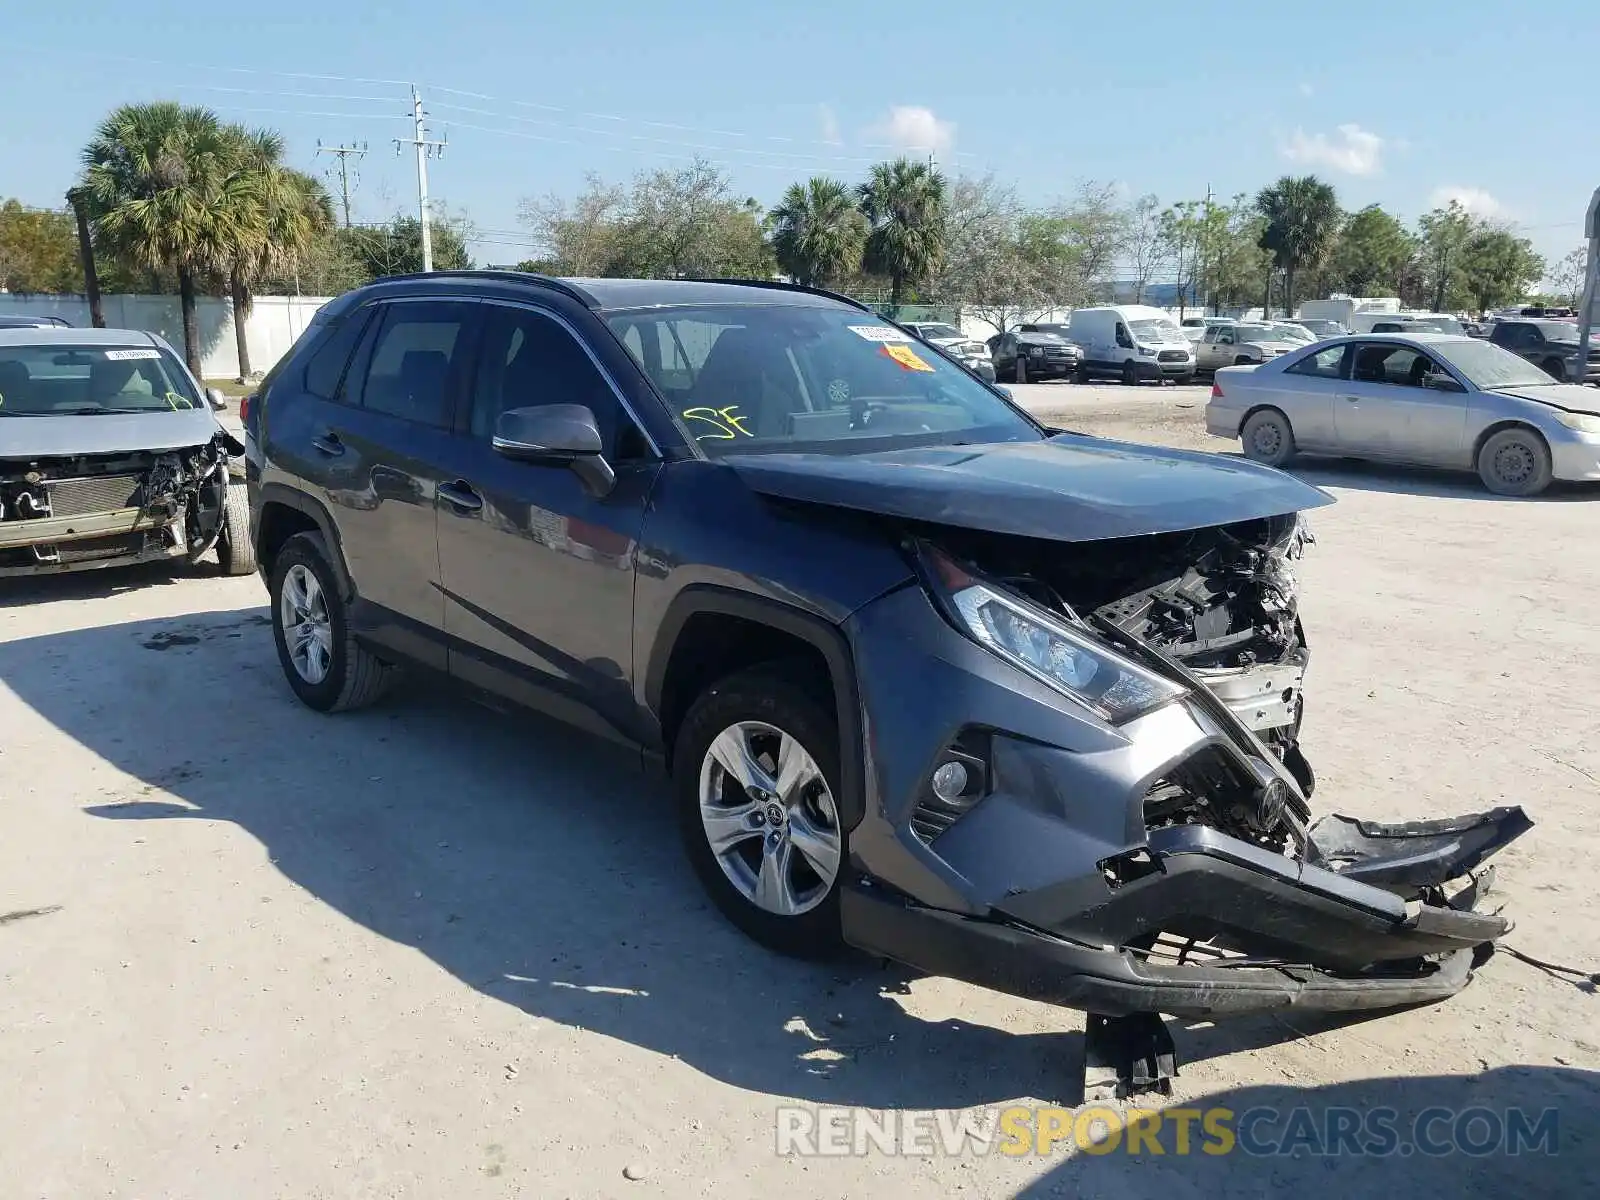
{"points": [[57, 335], [650, 293], [1421, 338]]}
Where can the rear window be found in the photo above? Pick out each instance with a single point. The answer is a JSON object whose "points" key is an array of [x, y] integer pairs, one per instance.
{"points": [[58, 380]]}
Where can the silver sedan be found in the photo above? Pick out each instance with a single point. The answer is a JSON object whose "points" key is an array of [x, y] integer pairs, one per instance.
{"points": [[1431, 399]]}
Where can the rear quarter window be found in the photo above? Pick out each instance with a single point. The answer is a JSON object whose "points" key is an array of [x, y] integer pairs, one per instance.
{"points": [[330, 358]]}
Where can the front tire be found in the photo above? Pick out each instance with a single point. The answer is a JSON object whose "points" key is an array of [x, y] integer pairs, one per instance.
{"points": [[1081, 375], [1556, 369], [756, 775], [1515, 462], [325, 666], [236, 553], [1267, 438], [1020, 371]]}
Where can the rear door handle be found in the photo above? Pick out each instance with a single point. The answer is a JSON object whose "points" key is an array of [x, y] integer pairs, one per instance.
{"points": [[329, 444], [460, 496]]}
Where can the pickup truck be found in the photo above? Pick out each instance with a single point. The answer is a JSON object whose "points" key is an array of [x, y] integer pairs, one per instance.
{"points": [[1550, 345]]}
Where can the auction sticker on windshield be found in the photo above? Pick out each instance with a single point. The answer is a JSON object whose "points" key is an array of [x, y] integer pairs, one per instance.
{"points": [[127, 355], [879, 333], [906, 357]]}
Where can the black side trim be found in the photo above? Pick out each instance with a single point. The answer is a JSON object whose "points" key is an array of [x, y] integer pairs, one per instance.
{"points": [[828, 639]]}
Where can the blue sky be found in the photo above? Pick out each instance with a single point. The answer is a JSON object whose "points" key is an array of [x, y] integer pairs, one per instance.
{"points": [[1403, 104]]}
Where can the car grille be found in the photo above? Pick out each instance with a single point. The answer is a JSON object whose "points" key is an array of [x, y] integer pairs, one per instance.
{"points": [[94, 494], [1060, 353], [1173, 356], [91, 549]]}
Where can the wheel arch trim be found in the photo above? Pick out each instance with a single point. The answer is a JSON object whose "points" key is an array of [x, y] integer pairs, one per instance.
{"points": [[277, 493]]}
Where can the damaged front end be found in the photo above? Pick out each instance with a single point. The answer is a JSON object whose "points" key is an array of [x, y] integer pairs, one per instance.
{"points": [[1137, 836], [77, 512]]}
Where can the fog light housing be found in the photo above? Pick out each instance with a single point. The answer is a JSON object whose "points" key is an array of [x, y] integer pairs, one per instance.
{"points": [[953, 787]]}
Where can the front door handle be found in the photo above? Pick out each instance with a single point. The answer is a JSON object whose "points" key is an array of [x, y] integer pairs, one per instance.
{"points": [[460, 496], [329, 444]]}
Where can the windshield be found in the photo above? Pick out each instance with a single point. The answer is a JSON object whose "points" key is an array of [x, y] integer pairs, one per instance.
{"points": [[1435, 324], [1154, 332], [1558, 331], [1490, 368], [1246, 333], [776, 378], [1292, 332], [57, 380], [941, 331]]}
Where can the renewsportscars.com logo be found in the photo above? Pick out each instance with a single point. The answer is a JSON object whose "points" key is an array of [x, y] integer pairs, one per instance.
{"points": [[822, 1131]]}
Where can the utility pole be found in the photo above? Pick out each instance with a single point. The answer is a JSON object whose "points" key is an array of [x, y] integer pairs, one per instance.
{"points": [[343, 154], [1205, 249], [91, 278], [425, 150]]}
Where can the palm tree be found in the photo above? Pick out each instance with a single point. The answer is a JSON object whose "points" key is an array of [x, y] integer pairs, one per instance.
{"points": [[818, 233], [1303, 220], [282, 211], [160, 190], [903, 202]]}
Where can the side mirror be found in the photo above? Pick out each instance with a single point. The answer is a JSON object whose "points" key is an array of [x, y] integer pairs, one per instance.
{"points": [[557, 435], [217, 400], [1004, 391], [1440, 382]]}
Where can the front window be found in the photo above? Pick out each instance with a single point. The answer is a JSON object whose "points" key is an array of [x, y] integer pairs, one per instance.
{"points": [[58, 380], [940, 331], [1490, 368], [1557, 331], [742, 379], [1154, 332]]}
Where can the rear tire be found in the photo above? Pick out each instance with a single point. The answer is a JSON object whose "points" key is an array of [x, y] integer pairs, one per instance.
{"points": [[1267, 438], [236, 553], [1020, 371], [746, 710], [1515, 462], [1130, 374], [338, 673], [1081, 375]]}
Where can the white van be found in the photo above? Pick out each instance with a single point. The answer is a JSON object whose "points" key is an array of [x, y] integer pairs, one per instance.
{"points": [[1132, 342], [1405, 322]]}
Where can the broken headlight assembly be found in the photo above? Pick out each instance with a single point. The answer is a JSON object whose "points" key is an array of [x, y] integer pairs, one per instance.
{"points": [[1041, 644]]}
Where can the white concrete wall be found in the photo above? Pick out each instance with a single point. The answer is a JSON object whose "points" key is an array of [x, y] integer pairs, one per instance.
{"points": [[272, 327]]}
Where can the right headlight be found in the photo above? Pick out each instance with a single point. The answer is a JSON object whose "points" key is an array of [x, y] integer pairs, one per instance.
{"points": [[1047, 648], [1582, 422]]}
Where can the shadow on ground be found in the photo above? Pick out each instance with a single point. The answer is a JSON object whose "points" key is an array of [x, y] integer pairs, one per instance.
{"points": [[532, 864], [1428, 1135]]}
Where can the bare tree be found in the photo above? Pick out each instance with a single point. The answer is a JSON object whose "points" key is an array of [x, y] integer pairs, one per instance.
{"points": [[1147, 247]]}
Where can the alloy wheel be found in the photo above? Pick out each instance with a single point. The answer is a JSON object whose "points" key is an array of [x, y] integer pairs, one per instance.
{"points": [[770, 818], [307, 628]]}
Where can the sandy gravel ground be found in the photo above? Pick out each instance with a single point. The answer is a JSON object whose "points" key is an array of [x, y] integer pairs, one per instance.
{"points": [[431, 951]]}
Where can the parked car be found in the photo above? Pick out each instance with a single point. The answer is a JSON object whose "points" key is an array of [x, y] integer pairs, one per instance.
{"points": [[1552, 345], [1322, 327], [15, 321], [1132, 342], [972, 354], [1240, 345], [752, 530], [1426, 398], [1031, 353], [110, 454]]}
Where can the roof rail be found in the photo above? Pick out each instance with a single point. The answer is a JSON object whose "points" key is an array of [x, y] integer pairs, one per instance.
{"points": [[525, 277], [778, 285]]}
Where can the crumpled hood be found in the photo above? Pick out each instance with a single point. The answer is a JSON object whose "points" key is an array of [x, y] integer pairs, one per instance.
{"points": [[1570, 397], [1071, 488], [109, 433]]}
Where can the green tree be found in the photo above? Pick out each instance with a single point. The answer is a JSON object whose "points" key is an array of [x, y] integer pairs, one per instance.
{"points": [[38, 250], [281, 213], [161, 190], [1371, 256], [1445, 233], [818, 234], [1497, 268], [396, 248], [1235, 262], [1302, 220], [903, 202]]}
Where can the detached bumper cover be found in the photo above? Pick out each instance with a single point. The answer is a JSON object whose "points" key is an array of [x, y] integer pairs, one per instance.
{"points": [[1345, 944]]}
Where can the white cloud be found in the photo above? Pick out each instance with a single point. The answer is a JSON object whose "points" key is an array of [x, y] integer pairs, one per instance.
{"points": [[830, 125], [1307, 90], [912, 128], [1351, 150], [1475, 200]]}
